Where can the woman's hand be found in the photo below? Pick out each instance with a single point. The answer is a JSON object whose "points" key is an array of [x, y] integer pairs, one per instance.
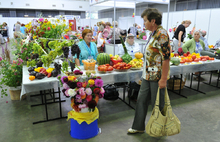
{"points": [[179, 44], [162, 83]]}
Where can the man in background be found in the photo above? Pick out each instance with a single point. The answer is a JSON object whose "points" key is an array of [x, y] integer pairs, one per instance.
{"points": [[203, 33]]}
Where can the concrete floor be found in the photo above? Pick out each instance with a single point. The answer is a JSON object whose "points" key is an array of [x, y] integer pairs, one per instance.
{"points": [[199, 115]]}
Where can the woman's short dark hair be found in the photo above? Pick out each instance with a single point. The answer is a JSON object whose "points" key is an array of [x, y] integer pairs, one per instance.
{"points": [[152, 13]]}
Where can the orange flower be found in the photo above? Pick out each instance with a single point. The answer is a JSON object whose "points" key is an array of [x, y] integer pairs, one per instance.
{"points": [[96, 98], [83, 97]]}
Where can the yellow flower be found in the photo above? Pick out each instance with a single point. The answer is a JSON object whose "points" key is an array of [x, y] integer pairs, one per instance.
{"points": [[91, 82], [70, 24], [34, 37], [62, 37], [58, 20], [64, 20], [66, 30], [64, 25], [56, 24], [71, 78], [53, 26], [26, 26]]}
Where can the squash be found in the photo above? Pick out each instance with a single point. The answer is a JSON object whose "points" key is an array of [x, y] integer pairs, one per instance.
{"points": [[31, 77], [138, 55]]}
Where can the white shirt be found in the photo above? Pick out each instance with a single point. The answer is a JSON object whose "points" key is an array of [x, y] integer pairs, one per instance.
{"points": [[135, 48], [100, 40]]}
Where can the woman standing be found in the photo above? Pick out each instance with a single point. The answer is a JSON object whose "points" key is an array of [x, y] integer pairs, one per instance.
{"points": [[88, 48], [117, 33], [155, 70], [180, 34]]}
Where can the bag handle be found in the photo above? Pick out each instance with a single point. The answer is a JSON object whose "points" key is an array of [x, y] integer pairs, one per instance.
{"points": [[166, 98]]}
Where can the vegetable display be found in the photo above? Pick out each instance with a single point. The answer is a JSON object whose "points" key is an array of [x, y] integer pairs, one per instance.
{"points": [[126, 57]]}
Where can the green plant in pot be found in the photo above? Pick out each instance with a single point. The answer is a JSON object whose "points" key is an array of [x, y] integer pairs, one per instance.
{"points": [[11, 73]]}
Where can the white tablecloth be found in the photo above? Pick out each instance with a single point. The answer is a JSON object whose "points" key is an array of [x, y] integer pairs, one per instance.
{"points": [[113, 77]]}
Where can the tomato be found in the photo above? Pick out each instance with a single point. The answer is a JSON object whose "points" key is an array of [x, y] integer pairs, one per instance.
{"points": [[106, 64], [193, 57], [110, 68], [118, 68], [185, 55]]}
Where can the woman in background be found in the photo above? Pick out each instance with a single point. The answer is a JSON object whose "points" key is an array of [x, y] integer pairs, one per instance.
{"points": [[195, 44], [180, 34], [88, 48]]}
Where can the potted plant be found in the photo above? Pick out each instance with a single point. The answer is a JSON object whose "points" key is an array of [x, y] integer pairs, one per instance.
{"points": [[11, 77]]}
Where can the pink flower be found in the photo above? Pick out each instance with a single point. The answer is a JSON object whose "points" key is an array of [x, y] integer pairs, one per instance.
{"points": [[81, 91], [78, 99], [19, 64], [27, 57], [0, 58], [15, 73], [89, 98], [25, 48], [48, 28], [170, 30], [82, 106], [102, 91], [64, 79], [88, 91], [41, 19], [65, 86], [66, 92], [22, 51], [98, 83], [79, 84], [6, 101], [20, 60]]}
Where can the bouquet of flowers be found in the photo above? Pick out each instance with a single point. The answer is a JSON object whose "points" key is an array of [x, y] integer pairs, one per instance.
{"points": [[173, 29], [87, 26], [84, 94], [190, 34], [47, 29]]}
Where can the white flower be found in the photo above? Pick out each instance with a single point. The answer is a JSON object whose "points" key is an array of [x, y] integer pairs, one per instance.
{"points": [[71, 92]]}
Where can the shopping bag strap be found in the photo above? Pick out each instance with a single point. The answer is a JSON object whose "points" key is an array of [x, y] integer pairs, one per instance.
{"points": [[166, 98]]}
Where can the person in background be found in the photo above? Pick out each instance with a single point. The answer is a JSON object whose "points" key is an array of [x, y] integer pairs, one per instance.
{"points": [[131, 46], [18, 36], [155, 69], [107, 29], [22, 29], [100, 40], [180, 34], [195, 44], [95, 30], [68, 34], [117, 33], [88, 48], [203, 33], [134, 30], [5, 33]]}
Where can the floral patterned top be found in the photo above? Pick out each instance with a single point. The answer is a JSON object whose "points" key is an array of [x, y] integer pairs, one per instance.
{"points": [[156, 50]]}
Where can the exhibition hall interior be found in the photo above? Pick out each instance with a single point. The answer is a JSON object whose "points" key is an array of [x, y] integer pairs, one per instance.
{"points": [[109, 70]]}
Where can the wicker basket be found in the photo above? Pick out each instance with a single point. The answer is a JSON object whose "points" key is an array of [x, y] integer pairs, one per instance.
{"points": [[176, 84]]}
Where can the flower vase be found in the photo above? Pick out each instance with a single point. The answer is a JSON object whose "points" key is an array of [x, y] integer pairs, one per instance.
{"points": [[15, 93], [83, 125]]}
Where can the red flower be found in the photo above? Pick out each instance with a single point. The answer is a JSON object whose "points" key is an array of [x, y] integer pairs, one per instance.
{"points": [[96, 91]]}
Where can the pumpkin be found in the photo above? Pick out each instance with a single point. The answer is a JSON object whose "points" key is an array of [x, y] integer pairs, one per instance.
{"points": [[31, 77], [138, 55]]}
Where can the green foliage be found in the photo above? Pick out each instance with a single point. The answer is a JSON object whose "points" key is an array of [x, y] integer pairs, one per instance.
{"points": [[47, 60], [65, 66], [31, 63], [11, 74]]}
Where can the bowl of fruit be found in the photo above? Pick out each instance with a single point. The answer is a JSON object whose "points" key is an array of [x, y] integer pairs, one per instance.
{"points": [[106, 68], [121, 66]]}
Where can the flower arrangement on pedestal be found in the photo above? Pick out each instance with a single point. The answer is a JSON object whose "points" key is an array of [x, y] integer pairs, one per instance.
{"points": [[84, 94]]}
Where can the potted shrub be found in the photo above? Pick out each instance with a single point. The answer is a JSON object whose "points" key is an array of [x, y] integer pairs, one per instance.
{"points": [[11, 77]]}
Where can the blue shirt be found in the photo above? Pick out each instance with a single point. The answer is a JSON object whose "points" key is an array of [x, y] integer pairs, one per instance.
{"points": [[206, 42], [22, 29], [198, 47], [86, 51]]}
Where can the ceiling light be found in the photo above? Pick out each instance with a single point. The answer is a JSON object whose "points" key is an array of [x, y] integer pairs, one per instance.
{"points": [[25, 15]]}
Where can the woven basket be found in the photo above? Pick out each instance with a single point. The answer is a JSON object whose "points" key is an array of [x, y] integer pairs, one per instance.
{"points": [[176, 84]]}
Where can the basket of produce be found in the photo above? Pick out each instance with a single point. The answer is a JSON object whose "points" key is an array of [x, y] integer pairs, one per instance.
{"points": [[89, 64], [105, 68], [176, 83]]}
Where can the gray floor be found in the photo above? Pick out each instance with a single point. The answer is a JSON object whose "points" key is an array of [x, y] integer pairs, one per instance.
{"points": [[199, 115]]}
